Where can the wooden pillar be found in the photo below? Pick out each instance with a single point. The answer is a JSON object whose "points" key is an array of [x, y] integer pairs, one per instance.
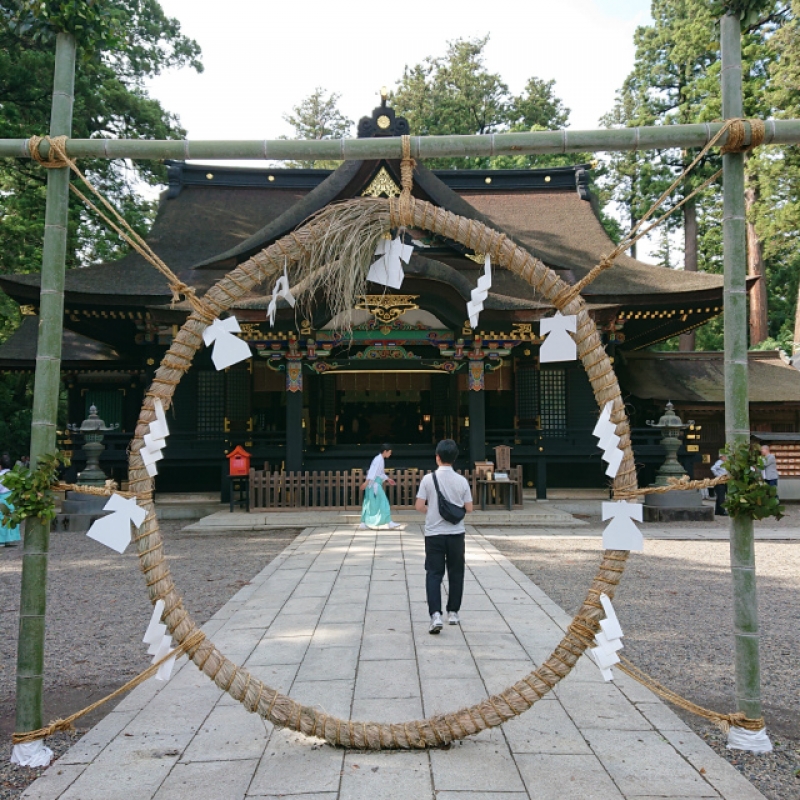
{"points": [[294, 414], [477, 410], [541, 478]]}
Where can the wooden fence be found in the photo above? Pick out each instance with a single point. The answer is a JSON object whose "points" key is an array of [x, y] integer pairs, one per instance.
{"points": [[342, 490]]}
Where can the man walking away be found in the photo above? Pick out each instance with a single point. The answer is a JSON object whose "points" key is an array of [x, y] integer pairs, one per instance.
{"points": [[720, 490], [444, 494]]}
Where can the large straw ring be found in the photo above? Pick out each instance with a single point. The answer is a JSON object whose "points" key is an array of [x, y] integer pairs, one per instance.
{"points": [[279, 709]]}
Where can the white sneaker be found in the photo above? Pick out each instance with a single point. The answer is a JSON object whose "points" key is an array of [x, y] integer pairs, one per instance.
{"points": [[362, 526], [453, 619], [393, 525], [436, 623]]}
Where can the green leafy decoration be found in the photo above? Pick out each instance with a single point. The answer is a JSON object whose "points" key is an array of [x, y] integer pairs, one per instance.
{"points": [[749, 495], [30, 490]]}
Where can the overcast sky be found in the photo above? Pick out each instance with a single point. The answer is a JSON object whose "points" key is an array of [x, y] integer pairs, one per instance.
{"points": [[262, 58]]}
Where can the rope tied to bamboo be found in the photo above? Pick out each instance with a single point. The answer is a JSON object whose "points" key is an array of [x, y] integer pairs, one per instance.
{"points": [[401, 209], [738, 134], [736, 129], [723, 721], [192, 641], [58, 158], [53, 160], [673, 484]]}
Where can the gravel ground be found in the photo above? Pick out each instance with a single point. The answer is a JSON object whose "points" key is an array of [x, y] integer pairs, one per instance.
{"points": [[97, 614], [674, 604]]}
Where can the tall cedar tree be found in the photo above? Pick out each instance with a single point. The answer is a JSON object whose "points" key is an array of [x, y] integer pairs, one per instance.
{"points": [[676, 81], [318, 117], [456, 94], [121, 43], [780, 186]]}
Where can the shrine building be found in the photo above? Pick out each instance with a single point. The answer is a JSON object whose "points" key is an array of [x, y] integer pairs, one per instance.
{"points": [[411, 372]]}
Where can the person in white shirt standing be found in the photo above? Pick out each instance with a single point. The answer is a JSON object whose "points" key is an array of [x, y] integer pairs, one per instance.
{"points": [[720, 490], [444, 497]]}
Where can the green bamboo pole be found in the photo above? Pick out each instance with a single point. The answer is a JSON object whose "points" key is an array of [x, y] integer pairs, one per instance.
{"points": [[737, 419], [538, 142], [33, 594]]}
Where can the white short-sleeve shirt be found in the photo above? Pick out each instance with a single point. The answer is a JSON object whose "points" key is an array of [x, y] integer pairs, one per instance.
{"points": [[455, 488]]}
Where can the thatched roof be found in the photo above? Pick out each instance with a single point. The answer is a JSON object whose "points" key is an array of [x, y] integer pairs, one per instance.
{"points": [[213, 218], [20, 348], [699, 377]]}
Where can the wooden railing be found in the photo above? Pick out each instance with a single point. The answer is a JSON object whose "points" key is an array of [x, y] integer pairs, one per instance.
{"points": [[342, 490]]}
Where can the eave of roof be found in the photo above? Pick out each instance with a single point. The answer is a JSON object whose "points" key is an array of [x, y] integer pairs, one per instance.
{"points": [[699, 377], [210, 226], [19, 350]]}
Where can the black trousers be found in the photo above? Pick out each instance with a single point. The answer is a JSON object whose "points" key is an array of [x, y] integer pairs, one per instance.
{"points": [[445, 551], [720, 493]]}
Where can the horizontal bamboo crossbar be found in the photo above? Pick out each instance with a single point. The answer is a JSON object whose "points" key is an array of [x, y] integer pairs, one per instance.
{"points": [[422, 147]]}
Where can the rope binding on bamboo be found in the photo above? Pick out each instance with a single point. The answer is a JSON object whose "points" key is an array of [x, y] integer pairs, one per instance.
{"points": [[66, 724]]}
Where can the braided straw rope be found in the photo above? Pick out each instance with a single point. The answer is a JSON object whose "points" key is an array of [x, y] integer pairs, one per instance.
{"points": [[66, 724], [674, 484], [737, 133], [270, 704], [258, 698], [58, 158]]}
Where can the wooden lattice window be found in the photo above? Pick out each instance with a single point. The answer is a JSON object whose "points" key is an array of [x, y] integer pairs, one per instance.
{"points": [[210, 402], [553, 401], [527, 384], [237, 400]]}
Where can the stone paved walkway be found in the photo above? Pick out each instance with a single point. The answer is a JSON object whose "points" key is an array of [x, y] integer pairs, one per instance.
{"points": [[339, 620]]}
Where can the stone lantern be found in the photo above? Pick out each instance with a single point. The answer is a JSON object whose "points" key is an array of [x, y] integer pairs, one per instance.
{"points": [[79, 510], [93, 430], [677, 505]]}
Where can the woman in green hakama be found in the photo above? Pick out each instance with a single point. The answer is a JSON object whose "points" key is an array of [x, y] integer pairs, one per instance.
{"points": [[375, 510], [8, 536]]}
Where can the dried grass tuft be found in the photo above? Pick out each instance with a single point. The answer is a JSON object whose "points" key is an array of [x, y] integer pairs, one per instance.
{"points": [[337, 257]]}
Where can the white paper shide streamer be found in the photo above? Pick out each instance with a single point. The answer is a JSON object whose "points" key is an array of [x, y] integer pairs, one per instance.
{"points": [[480, 293], [228, 349], [621, 533], [160, 642], [606, 433], [559, 345], [608, 640], [114, 530], [281, 289], [155, 439], [388, 269]]}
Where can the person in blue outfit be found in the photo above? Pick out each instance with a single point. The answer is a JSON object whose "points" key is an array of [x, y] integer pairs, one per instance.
{"points": [[375, 509], [8, 536]]}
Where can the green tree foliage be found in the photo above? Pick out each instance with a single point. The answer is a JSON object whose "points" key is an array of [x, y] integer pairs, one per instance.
{"points": [[676, 81], [121, 44], [318, 117], [456, 94]]}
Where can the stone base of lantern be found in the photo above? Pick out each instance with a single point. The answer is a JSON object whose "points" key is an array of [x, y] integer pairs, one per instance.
{"points": [[676, 507]]}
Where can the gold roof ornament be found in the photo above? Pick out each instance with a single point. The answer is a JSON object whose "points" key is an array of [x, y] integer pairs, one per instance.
{"points": [[382, 185], [387, 307]]}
